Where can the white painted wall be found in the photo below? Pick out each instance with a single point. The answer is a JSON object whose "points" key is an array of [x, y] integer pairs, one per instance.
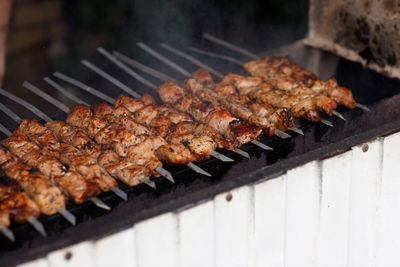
{"points": [[340, 211]]}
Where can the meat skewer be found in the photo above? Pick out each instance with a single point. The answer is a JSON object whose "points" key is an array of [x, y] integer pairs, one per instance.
{"points": [[277, 131], [279, 72], [67, 110], [250, 55], [242, 136], [65, 78], [121, 173], [272, 69], [6, 190], [263, 116], [176, 127], [93, 199], [20, 208], [197, 62], [125, 68], [118, 83], [256, 89], [49, 197], [86, 164], [192, 165]]}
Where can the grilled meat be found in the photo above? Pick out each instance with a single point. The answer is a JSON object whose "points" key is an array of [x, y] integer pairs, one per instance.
{"points": [[224, 94], [285, 75], [48, 197], [80, 190], [117, 166], [220, 119]]}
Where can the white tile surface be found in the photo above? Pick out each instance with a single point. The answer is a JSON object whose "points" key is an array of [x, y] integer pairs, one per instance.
{"points": [[157, 241], [82, 254], [197, 235], [234, 228], [116, 250], [269, 214], [364, 189], [302, 214], [389, 217], [35, 263], [334, 211]]}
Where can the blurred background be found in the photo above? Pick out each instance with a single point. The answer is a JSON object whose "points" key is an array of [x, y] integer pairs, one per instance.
{"points": [[49, 35]]}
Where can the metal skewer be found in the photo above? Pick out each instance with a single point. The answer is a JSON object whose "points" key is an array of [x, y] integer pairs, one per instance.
{"points": [[198, 169], [337, 114], [96, 201], [67, 215], [84, 87], [37, 225], [230, 46], [163, 59], [328, 123], [27, 105], [118, 83], [64, 91], [5, 130], [147, 181], [137, 65], [7, 233], [126, 69], [192, 59], [210, 54], [363, 107]]}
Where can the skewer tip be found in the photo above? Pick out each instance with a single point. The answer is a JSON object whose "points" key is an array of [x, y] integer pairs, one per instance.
{"points": [[328, 123], [7, 233], [198, 169], [242, 153], [297, 130], [37, 225], [147, 181], [120, 193], [281, 134], [67, 215], [165, 173], [221, 157], [363, 107], [261, 145], [100, 203], [337, 114]]}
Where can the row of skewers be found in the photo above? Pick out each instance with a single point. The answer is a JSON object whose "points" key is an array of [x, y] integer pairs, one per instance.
{"points": [[130, 138]]}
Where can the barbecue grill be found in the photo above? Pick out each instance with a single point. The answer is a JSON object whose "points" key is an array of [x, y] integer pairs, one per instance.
{"points": [[325, 197]]}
